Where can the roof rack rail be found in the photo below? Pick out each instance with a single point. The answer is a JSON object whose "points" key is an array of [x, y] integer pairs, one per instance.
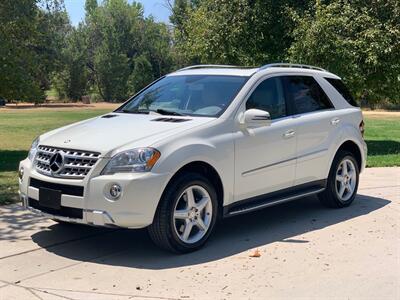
{"points": [[206, 66], [289, 65]]}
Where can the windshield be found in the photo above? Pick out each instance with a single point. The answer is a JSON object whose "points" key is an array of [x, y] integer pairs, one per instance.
{"points": [[194, 95]]}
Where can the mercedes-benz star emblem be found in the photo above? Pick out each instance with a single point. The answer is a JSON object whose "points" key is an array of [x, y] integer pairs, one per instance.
{"points": [[56, 162]]}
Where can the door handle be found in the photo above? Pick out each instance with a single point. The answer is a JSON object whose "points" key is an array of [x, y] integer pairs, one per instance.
{"points": [[335, 121], [288, 134]]}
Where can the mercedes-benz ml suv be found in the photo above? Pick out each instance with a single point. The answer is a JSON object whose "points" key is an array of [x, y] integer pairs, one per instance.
{"points": [[199, 144]]}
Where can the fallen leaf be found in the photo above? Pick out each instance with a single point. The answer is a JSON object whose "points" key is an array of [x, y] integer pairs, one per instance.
{"points": [[256, 253]]}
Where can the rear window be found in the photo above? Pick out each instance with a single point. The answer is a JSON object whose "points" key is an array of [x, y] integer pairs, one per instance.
{"points": [[306, 94], [343, 90]]}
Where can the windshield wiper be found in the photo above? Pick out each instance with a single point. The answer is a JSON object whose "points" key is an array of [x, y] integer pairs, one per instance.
{"points": [[145, 112], [168, 112]]}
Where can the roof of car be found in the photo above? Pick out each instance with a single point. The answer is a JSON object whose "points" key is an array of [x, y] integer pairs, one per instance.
{"points": [[248, 71]]}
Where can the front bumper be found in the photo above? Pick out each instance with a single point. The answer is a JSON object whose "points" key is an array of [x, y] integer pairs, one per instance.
{"points": [[135, 208]]}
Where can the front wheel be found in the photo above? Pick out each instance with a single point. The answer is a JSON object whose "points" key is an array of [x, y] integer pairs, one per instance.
{"points": [[342, 182], [186, 214]]}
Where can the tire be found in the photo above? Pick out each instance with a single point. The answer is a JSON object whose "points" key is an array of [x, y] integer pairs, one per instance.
{"points": [[170, 224], [331, 196]]}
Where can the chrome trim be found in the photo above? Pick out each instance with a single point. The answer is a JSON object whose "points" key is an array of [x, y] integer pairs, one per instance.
{"points": [[267, 166], [86, 215], [76, 164], [289, 65], [207, 66], [283, 200], [283, 161], [312, 153]]}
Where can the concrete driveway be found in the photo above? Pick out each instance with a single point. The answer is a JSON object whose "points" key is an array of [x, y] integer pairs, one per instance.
{"points": [[307, 251]]}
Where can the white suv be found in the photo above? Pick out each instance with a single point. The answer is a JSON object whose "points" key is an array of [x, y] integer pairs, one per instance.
{"points": [[202, 143]]}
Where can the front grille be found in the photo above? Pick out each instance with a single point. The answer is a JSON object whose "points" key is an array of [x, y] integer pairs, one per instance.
{"points": [[76, 163], [65, 189], [64, 211]]}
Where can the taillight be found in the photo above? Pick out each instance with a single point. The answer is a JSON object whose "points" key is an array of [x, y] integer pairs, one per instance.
{"points": [[362, 128]]}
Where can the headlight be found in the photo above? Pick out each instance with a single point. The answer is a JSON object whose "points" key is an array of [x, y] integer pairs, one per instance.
{"points": [[135, 160], [33, 150]]}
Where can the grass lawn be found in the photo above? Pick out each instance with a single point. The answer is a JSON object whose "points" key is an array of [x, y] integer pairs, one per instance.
{"points": [[382, 135], [18, 128]]}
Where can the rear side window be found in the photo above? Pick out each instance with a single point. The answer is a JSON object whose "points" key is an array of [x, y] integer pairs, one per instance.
{"points": [[269, 96], [306, 94], [342, 89]]}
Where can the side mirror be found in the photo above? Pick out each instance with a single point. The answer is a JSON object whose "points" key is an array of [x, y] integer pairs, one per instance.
{"points": [[257, 118]]}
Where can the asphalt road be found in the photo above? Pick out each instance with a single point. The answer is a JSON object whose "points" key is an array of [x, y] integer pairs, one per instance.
{"points": [[307, 252]]}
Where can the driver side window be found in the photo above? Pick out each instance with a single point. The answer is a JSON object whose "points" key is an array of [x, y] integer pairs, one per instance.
{"points": [[269, 96]]}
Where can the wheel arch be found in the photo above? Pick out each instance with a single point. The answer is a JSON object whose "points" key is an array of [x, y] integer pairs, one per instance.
{"points": [[207, 170], [353, 148]]}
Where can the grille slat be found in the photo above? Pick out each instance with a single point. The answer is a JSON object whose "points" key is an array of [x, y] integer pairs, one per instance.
{"points": [[77, 163]]}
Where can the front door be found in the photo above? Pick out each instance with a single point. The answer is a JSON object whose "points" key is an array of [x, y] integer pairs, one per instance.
{"points": [[265, 157]]}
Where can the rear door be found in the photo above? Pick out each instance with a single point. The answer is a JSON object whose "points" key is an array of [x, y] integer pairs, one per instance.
{"points": [[317, 120]]}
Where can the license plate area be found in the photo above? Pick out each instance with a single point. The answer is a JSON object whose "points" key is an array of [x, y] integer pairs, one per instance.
{"points": [[50, 198]]}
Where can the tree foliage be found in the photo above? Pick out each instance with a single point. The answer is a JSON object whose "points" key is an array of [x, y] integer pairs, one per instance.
{"points": [[359, 40], [116, 50], [239, 32], [124, 50], [32, 36]]}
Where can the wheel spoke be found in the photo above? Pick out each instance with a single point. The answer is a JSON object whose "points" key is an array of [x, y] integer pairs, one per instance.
{"points": [[200, 224], [342, 189], [344, 168], [202, 203], [349, 189], [190, 198], [181, 214], [187, 231]]}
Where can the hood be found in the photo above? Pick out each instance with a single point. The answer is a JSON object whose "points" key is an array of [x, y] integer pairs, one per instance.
{"points": [[106, 133]]}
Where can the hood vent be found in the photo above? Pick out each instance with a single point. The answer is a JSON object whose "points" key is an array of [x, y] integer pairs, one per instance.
{"points": [[171, 120], [109, 116]]}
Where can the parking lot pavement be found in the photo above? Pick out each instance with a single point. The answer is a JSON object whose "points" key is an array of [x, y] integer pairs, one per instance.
{"points": [[307, 251]]}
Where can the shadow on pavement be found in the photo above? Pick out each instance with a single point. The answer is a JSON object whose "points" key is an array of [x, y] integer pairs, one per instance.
{"points": [[133, 248]]}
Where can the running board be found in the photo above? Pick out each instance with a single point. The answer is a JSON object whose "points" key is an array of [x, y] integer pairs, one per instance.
{"points": [[274, 198]]}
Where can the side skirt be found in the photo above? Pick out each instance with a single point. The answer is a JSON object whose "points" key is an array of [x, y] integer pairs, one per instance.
{"points": [[274, 198]]}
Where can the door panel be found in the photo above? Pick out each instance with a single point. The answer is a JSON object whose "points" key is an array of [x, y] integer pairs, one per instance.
{"points": [[315, 135], [264, 159]]}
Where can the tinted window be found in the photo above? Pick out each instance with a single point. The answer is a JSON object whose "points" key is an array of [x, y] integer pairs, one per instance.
{"points": [[269, 96], [343, 90], [306, 94], [200, 95]]}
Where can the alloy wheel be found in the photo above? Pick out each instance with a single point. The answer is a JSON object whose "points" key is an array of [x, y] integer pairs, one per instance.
{"points": [[192, 214], [346, 179]]}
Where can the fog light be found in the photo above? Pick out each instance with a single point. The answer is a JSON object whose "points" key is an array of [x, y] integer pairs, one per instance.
{"points": [[115, 191], [21, 173]]}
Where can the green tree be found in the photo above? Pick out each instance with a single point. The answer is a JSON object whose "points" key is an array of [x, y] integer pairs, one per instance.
{"points": [[236, 31], [31, 34], [71, 82], [126, 50], [359, 40]]}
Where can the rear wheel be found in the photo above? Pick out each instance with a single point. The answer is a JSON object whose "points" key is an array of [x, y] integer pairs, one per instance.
{"points": [[342, 182], [186, 214]]}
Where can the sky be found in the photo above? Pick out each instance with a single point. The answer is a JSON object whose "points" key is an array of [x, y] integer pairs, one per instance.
{"points": [[76, 9]]}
